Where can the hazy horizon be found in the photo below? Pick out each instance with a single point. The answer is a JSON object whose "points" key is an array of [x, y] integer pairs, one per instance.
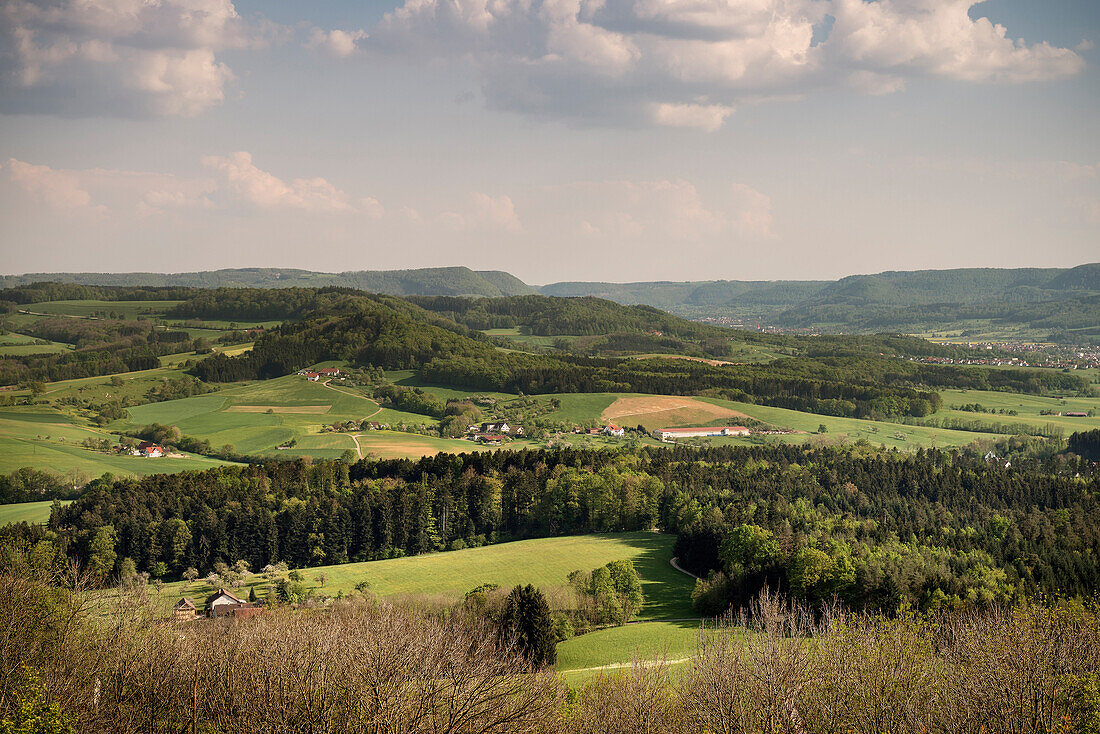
{"points": [[533, 284]]}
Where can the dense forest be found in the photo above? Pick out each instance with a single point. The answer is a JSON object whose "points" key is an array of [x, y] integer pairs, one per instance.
{"points": [[870, 529], [53, 291], [101, 347]]}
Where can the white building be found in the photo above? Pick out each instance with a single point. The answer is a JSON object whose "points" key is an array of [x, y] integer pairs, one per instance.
{"points": [[671, 434]]}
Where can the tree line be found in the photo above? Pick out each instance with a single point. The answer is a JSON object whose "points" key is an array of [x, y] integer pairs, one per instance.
{"points": [[870, 529]]}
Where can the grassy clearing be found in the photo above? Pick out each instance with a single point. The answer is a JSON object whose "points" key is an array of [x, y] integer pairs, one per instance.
{"points": [[239, 415], [32, 512], [544, 562], [1027, 408], [126, 309], [877, 432], [617, 645], [49, 439], [18, 345]]}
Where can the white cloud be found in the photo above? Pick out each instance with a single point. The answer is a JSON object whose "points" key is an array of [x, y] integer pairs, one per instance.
{"points": [[238, 183], [119, 57], [483, 213], [630, 60], [103, 191], [338, 43], [662, 211], [259, 188], [57, 189], [938, 37], [870, 82], [707, 117]]}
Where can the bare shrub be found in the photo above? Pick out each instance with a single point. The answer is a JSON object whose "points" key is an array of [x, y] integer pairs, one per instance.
{"points": [[640, 700]]}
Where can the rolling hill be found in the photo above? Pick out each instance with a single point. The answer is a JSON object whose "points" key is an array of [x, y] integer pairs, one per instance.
{"points": [[452, 281]]}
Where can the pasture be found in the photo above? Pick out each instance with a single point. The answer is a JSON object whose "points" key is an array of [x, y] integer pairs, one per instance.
{"points": [[18, 345], [1027, 409], [544, 562], [892, 435], [130, 310], [49, 439], [32, 512], [258, 417]]}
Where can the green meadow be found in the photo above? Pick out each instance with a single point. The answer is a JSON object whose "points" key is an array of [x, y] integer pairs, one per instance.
{"points": [[125, 309], [18, 345], [1027, 409], [258, 417], [544, 562], [32, 512], [46, 438]]}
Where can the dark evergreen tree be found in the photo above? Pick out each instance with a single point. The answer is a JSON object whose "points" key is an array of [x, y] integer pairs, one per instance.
{"points": [[525, 621]]}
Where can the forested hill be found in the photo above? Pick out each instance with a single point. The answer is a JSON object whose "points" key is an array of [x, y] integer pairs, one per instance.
{"points": [[453, 281], [846, 376], [892, 288]]}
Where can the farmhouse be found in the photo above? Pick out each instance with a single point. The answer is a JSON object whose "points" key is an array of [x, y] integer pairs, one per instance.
{"points": [[223, 604], [492, 439], [329, 371], [184, 610], [1076, 414], [150, 450], [313, 376], [495, 428], [613, 430], [670, 434]]}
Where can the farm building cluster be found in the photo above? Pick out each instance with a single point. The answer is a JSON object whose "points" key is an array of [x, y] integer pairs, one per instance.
{"points": [[671, 434], [493, 434], [147, 449], [322, 373], [220, 604]]}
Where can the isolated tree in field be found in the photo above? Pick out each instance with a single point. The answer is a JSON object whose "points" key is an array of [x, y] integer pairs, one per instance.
{"points": [[627, 586], [525, 621], [102, 554], [191, 574]]}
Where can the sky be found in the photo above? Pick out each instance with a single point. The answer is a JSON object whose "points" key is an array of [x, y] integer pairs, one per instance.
{"points": [[616, 140]]}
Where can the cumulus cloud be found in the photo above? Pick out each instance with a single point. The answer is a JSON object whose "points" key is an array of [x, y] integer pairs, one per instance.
{"points": [[708, 117], [236, 183], [938, 37], [261, 189], [120, 57], [484, 213], [662, 211], [102, 191], [58, 189], [338, 43], [655, 60]]}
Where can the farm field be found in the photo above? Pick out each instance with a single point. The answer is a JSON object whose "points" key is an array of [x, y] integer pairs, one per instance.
{"points": [[85, 309], [47, 438], [32, 512], [544, 562], [258, 417], [892, 435], [666, 411], [1027, 408], [17, 345]]}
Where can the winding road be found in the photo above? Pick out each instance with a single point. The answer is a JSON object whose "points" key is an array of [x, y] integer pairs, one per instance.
{"points": [[355, 436]]}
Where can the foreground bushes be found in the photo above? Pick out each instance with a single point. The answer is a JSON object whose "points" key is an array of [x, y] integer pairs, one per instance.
{"points": [[365, 668]]}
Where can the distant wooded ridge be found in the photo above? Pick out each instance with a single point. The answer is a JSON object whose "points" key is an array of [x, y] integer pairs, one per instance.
{"points": [[1058, 300]]}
